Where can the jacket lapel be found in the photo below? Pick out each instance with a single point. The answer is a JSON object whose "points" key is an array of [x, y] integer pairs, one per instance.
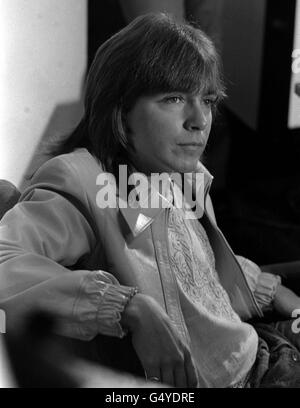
{"points": [[139, 215]]}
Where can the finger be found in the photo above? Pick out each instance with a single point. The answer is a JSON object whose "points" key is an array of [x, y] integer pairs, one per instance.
{"points": [[190, 370], [167, 376], [180, 377], [153, 375]]}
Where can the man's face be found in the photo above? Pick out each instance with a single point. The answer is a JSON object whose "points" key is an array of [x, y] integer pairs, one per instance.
{"points": [[169, 131]]}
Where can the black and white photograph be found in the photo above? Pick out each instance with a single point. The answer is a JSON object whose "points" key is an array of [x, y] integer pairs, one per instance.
{"points": [[150, 196]]}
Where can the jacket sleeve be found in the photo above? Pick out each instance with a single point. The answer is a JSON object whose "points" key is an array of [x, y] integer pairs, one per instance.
{"points": [[263, 284], [40, 238]]}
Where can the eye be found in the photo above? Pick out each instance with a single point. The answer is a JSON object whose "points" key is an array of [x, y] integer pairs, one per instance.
{"points": [[175, 99], [210, 100]]}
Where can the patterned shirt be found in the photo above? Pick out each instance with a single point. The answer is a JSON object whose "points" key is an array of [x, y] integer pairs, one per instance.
{"points": [[195, 269], [224, 346]]}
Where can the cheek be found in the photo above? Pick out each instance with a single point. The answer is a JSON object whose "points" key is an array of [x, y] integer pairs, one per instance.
{"points": [[207, 131], [157, 135], [209, 123]]}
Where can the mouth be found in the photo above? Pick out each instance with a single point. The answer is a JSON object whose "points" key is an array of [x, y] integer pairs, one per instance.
{"points": [[191, 144], [192, 147]]}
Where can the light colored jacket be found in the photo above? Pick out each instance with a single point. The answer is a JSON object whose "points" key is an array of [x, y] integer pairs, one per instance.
{"points": [[61, 253]]}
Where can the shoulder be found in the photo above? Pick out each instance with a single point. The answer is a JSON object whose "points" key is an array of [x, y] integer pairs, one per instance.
{"points": [[73, 173], [80, 162]]}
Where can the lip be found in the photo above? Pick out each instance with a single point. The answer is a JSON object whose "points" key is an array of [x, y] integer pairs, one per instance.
{"points": [[192, 147], [191, 144]]}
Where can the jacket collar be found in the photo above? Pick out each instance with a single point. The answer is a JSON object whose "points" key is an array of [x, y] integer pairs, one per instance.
{"points": [[139, 215]]}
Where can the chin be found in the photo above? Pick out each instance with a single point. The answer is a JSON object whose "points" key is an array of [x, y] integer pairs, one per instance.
{"points": [[180, 166], [187, 167]]}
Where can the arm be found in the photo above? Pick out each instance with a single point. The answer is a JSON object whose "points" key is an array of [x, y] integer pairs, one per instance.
{"points": [[286, 299], [156, 341], [288, 271], [39, 239], [286, 302], [268, 290], [265, 282]]}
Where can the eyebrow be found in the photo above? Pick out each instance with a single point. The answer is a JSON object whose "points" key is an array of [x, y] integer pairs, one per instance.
{"points": [[209, 92]]}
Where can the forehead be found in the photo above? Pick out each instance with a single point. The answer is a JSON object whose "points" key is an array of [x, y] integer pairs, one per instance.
{"points": [[193, 84]]}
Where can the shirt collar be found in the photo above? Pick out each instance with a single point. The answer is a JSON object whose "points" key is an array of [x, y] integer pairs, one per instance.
{"points": [[140, 214]]}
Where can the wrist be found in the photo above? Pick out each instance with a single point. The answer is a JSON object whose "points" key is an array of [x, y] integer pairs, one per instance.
{"points": [[132, 313]]}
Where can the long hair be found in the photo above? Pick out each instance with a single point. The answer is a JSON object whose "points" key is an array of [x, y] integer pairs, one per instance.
{"points": [[153, 54]]}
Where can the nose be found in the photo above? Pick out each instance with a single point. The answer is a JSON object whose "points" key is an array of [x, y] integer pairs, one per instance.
{"points": [[197, 118]]}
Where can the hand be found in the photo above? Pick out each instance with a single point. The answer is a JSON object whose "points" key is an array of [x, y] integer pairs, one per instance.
{"points": [[285, 301], [158, 345]]}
